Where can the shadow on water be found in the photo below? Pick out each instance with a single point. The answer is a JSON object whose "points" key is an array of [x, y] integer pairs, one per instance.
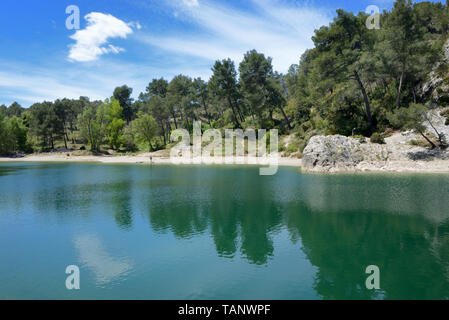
{"points": [[342, 223]]}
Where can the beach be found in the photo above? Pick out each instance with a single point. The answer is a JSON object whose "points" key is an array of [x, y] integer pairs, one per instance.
{"points": [[143, 158]]}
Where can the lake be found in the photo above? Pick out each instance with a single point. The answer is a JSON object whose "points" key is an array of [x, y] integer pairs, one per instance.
{"points": [[220, 232]]}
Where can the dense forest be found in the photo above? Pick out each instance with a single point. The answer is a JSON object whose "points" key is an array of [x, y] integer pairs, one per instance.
{"points": [[355, 81]]}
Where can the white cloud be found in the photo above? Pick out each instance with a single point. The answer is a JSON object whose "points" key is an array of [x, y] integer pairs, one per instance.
{"points": [[91, 40], [220, 31], [97, 81], [136, 25], [191, 3], [281, 31], [32, 88]]}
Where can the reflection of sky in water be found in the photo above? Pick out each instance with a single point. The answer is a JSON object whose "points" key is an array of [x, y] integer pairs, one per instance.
{"points": [[94, 256]]}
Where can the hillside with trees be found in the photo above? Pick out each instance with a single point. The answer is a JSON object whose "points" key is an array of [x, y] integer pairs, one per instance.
{"points": [[355, 81]]}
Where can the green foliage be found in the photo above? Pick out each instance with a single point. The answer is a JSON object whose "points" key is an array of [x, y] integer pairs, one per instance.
{"points": [[354, 76], [411, 118], [111, 111], [129, 139], [46, 124], [13, 135], [158, 87], [19, 135], [5, 137], [15, 110], [377, 138], [223, 85], [115, 133], [145, 128], [123, 96], [345, 115], [91, 128], [3, 110], [179, 100], [260, 87]]}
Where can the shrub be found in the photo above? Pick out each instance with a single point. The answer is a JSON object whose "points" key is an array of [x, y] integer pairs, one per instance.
{"points": [[377, 138], [443, 101], [419, 143], [445, 113]]}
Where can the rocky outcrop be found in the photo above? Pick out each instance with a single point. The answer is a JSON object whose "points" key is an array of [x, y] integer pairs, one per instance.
{"points": [[437, 87], [339, 153], [342, 154]]}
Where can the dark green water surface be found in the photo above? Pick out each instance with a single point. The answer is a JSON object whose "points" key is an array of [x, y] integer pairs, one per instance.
{"points": [[191, 232]]}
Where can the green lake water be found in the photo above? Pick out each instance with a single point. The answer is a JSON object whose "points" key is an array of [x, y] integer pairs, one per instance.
{"points": [[218, 232]]}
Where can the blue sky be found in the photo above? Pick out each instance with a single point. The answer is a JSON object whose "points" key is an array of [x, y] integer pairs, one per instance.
{"points": [[133, 41]]}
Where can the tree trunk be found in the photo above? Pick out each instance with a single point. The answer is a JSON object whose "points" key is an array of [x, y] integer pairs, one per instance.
{"points": [[182, 119], [398, 99], [428, 140], [90, 138], [66, 135], [414, 95], [65, 142], [168, 130], [174, 119], [205, 110], [242, 118], [235, 115], [286, 118], [439, 135], [366, 99], [163, 132]]}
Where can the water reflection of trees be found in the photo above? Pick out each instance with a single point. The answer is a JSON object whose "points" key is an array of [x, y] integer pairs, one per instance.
{"points": [[238, 216], [405, 233], [121, 203], [341, 233]]}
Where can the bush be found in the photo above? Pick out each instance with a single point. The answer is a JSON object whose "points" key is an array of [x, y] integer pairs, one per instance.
{"points": [[419, 143], [13, 136], [443, 101], [377, 138], [445, 113]]}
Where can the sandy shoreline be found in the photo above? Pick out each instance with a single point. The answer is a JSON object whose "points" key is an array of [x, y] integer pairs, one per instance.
{"points": [[127, 159], [434, 166]]}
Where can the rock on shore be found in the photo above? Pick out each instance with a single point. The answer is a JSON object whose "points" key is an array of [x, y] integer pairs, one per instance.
{"points": [[339, 153], [342, 154]]}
